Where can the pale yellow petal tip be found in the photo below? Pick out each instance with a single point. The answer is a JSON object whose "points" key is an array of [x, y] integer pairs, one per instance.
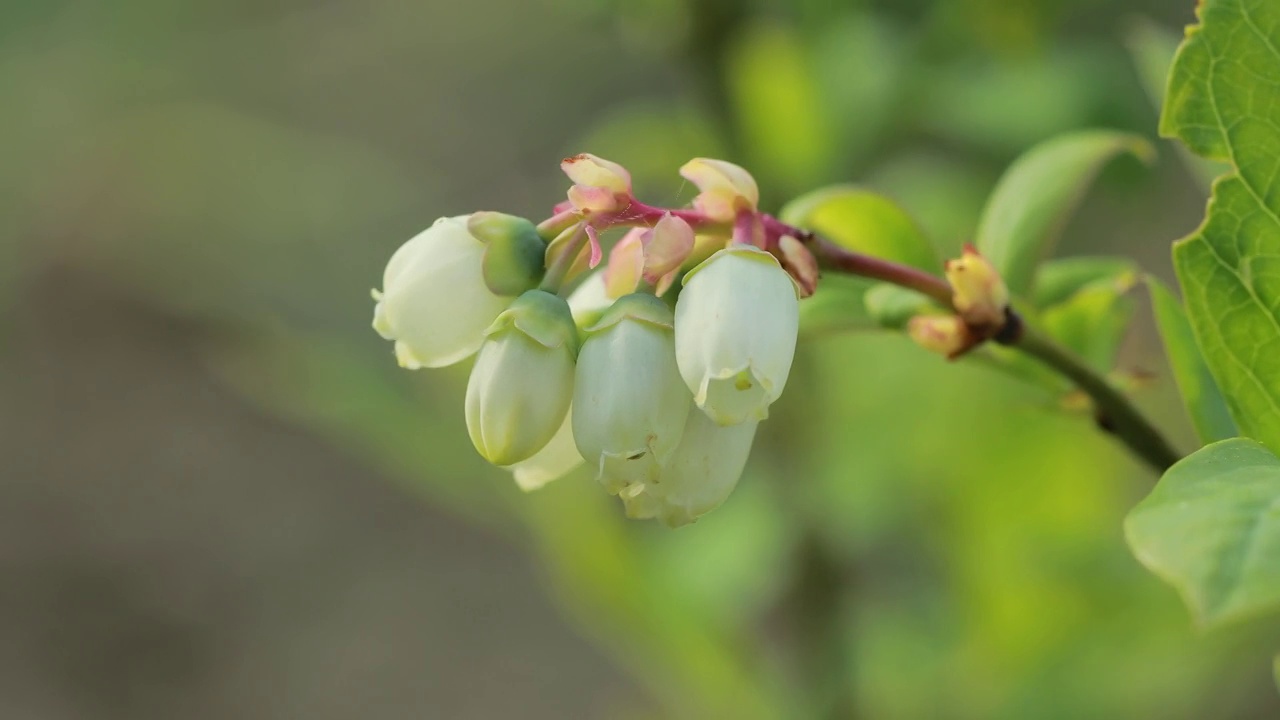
{"points": [[381, 323], [639, 504], [406, 358], [592, 171], [531, 479], [725, 188]]}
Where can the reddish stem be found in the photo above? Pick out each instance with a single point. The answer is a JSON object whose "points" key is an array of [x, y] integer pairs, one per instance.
{"points": [[834, 257]]}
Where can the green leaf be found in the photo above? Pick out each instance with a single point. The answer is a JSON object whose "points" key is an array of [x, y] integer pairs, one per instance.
{"points": [[1211, 528], [839, 305], [864, 221], [1093, 320], [1222, 104], [1205, 405], [1275, 667], [1031, 202], [891, 306], [1058, 280], [1153, 48]]}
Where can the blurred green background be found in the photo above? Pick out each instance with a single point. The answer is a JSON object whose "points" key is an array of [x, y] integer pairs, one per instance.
{"points": [[221, 499]]}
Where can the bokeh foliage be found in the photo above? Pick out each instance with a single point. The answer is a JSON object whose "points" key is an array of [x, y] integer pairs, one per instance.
{"points": [[250, 166]]}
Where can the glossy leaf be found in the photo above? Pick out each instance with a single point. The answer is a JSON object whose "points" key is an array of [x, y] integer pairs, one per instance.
{"points": [[1205, 405], [1031, 202], [1222, 104], [865, 221], [1211, 528]]}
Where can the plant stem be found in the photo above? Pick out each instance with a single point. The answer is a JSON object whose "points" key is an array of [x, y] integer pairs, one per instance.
{"points": [[834, 257], [1115, 412]]}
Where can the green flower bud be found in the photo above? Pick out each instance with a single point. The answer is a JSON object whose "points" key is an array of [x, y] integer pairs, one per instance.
{"points": [[522, 382], [514, 255]]}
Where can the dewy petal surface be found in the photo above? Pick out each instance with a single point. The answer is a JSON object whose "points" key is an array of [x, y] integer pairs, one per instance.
{"points": [[736, 325]]}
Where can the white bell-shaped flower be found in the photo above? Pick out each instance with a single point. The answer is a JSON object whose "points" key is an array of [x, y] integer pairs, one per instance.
{"points": [[561, 457], [434, 301], [522, 383], [736, 324], [630, 404], [699, 476]]}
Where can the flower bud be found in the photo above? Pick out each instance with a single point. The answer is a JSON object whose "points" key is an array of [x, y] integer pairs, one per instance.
{"points": [[726, 188], [625, 268], [598, 184], [943, 334], [434, 302], [522, 382], [800, 264], [630, 404], [557, 459], [700, 475], [666, 246], [736, 325], [514, 255], [980, 295]]}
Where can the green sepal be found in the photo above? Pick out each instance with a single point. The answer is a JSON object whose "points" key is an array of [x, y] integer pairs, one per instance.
{"points": [[749, 252], [543, 317], [636, 306], [514, 255]]}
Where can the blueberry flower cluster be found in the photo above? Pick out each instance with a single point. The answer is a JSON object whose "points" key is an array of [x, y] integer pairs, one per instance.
{"points": [[655, 371]]}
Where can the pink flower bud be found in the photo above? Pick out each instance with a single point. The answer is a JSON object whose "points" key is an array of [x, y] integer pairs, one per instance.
{"points": [[598, 184], [799, 263], [626, 264], [726, 188], [666, 247]]}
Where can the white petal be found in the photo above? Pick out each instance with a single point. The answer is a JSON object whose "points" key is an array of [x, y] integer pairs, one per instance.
{"points": [[704, 469], [434, 300], [631, 403], [589, 300], [559, 458]]}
